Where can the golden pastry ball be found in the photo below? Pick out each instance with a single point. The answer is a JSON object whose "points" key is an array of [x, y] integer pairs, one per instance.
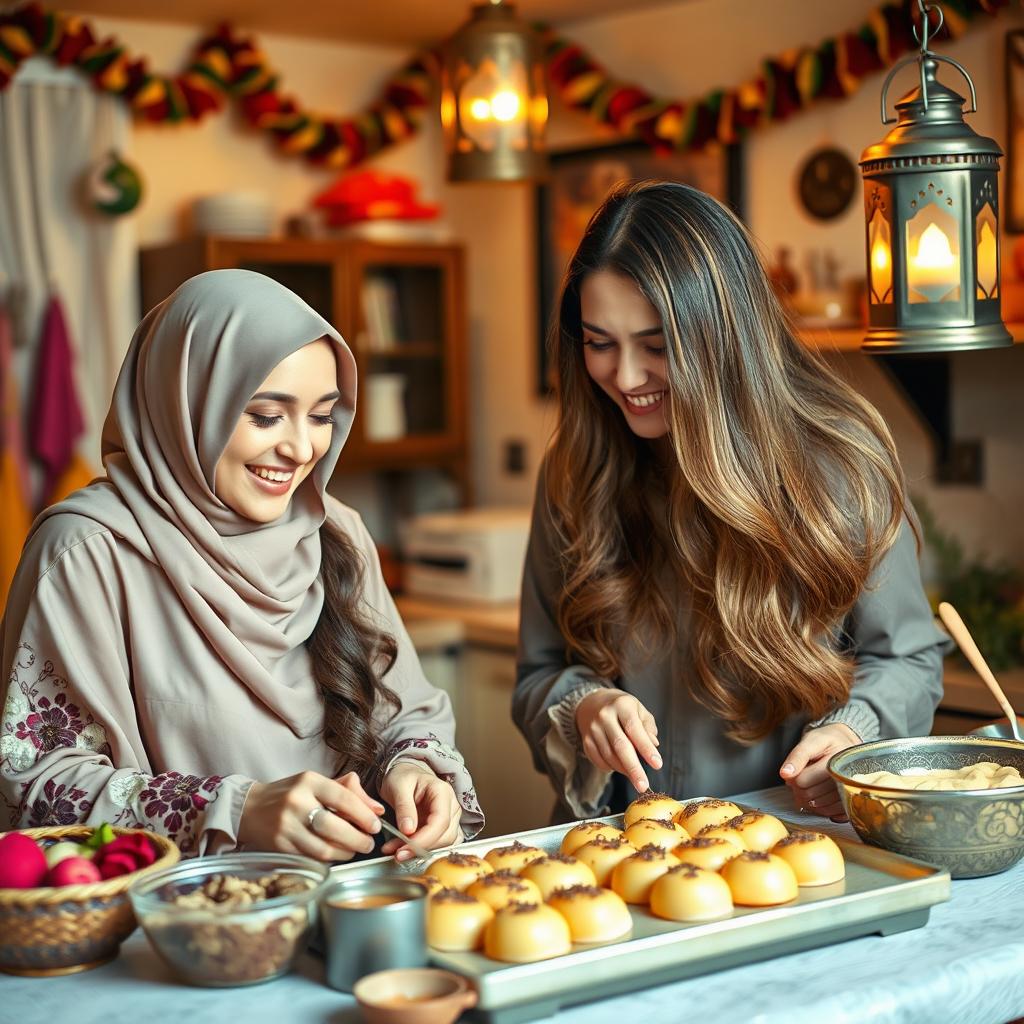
{"points": [[689, 893], [814, 858], [601, 856], [501, 888], [429, 882], [584, 832], [656, 832], [512, 858], [704, 813], [758, 830], [456, 921], [726, 832], [634, 877], [593, 914], [523, 932], [458, 870], [706, 852], [651, 805], [759, 879], [557, 872]]}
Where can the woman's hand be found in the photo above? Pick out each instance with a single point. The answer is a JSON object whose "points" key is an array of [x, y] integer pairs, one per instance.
{"points": [[615, 727], [806, 773], [276, 816], [426, 808]]}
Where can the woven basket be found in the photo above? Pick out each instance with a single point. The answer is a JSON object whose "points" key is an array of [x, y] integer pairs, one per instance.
{"points": [[60, 930]]}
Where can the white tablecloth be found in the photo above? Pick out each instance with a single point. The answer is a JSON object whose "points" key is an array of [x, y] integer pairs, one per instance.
{"points": [[965, 967]]}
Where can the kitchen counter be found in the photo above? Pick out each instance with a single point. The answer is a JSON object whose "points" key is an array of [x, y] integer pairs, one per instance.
{"points": [[963, 967], [486, 624]]}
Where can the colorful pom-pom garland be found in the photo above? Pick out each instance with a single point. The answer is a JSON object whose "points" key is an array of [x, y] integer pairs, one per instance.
{"points": [[226, 66]]}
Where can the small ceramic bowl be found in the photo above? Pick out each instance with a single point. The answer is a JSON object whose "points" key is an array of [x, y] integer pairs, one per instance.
{"points": [[413, 995]]}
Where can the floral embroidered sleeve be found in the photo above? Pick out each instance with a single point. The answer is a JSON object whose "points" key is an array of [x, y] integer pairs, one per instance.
{"points": [[70, 744], [423, 729]]}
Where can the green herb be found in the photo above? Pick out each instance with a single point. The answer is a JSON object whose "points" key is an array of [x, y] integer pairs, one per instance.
{"points": [[989, 598]]}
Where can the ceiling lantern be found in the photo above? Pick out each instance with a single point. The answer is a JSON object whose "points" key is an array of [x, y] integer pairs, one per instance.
{"points": [[494, 106], [931, 207]]}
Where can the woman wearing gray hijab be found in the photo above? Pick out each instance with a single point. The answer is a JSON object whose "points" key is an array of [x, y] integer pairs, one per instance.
{"points": [[200, 642]]}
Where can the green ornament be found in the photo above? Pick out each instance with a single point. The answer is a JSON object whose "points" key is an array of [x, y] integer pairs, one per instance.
{"points": [[101, 835], [115, 187]]}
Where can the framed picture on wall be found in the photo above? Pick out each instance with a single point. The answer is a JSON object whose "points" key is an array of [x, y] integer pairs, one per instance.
{"points": [[1015, 130], [578, 182]]}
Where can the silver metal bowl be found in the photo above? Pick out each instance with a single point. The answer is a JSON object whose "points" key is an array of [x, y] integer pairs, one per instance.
{"points": [[970, 832], [999, 729]]}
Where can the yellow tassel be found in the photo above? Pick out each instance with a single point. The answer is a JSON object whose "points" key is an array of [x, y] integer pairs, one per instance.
{"points": [[17, 40], [582, 88]]}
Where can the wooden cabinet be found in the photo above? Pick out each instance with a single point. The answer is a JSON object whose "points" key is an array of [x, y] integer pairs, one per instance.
{"points": [[401, 308]]}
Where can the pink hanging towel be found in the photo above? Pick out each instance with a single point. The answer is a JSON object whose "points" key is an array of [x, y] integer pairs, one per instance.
{"points": [[57, 420]]}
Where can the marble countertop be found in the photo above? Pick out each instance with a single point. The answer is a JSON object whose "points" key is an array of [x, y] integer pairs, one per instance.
{"points": [[963, 967]]}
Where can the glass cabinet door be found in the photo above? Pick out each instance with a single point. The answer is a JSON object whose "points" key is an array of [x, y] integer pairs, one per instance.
{"points": [[408, 345]]}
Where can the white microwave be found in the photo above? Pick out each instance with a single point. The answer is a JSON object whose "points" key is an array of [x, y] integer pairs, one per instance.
{"points": [[470, 555]]}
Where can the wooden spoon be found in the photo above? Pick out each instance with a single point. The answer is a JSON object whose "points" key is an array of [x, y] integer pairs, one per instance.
{"points": [[952, 621]]}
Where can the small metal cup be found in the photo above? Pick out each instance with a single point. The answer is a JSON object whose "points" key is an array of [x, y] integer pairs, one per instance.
{"points": [[364, 939]]}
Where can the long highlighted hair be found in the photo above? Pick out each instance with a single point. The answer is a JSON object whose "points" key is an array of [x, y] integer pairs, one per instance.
{"points": [[780, 492]]}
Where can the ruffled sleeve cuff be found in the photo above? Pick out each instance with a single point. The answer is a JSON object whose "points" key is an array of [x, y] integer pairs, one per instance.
{"points": [[447, 764], [582, 785], [856, 715]]}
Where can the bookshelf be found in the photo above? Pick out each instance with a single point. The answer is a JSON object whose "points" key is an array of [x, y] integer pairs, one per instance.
{"points": [[401, 308]]}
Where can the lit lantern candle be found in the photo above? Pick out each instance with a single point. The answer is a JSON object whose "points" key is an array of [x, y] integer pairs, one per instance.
{"points": [[933, 270]]}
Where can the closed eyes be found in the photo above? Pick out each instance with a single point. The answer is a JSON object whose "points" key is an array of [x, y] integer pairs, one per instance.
{"points": [[265, 422]]}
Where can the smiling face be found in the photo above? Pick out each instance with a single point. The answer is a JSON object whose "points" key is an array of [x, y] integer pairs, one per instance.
{"points": [[624, 349], [285, 430]]}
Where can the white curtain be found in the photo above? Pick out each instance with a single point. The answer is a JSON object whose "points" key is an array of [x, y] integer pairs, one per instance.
{"points": [[53, 128]]}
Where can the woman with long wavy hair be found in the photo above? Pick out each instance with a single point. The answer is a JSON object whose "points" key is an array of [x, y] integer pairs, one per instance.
{"points": [[200, 642], [722, 584]]}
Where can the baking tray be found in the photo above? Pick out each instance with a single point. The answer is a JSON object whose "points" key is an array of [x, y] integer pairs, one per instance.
{"points": [[883, 893]]}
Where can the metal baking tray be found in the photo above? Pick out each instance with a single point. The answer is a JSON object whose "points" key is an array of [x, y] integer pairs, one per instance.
{"points": [[883, 893]]}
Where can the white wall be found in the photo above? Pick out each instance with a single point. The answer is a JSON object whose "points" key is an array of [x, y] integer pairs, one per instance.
{"points": [[676, 50]]}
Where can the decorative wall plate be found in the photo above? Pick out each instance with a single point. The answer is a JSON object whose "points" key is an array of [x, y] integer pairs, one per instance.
{"points": [[827, 182]]}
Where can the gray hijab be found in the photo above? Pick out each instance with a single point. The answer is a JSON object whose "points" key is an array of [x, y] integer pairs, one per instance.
{"points": [[250, 591]]}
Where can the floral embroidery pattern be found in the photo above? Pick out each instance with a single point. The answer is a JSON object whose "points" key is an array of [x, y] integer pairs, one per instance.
{"points": [[35, 723], [59, 805], [441, 756], [177, 801]]}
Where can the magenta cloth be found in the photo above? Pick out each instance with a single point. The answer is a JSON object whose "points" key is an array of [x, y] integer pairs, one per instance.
{"points": [[11, 438], [57, 420]]}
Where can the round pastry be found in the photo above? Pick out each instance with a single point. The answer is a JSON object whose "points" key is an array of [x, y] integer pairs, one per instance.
{"points": [[557, 872], [601, 856], [759, 831], [458, 870], [726, 832], [584, 832], [651, 805], [760, 879], [431, 883], [633, 877], [654, 831], [706, 852], [502, 887], [456, 921], [703, 813], [512, 858], [523, 932], [594, 915], [689, 893], [814, 858]]}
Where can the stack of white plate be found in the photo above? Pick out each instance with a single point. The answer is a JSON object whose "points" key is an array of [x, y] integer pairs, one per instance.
{"points": [[235, 214]]}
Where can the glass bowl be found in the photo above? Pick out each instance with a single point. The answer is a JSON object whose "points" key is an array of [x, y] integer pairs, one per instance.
{"points": [[971, 832], [246, 939]]}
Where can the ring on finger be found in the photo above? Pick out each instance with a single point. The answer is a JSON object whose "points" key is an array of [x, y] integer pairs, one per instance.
{"points": [[311, 818]]}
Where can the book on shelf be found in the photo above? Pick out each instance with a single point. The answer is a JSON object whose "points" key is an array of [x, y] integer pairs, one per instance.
{"points": [[381, 313]]}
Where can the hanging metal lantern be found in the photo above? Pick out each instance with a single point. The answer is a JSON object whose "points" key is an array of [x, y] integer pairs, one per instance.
{"points": [[931, 206], [494, 107]]}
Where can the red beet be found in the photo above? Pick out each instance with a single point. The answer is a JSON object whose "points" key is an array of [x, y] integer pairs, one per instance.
{"points": [[73, 871], [118, 863], [22, 863], [124, 854]]}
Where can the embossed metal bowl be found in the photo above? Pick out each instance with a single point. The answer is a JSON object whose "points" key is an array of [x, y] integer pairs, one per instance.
{"points": [[971, 832]]}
